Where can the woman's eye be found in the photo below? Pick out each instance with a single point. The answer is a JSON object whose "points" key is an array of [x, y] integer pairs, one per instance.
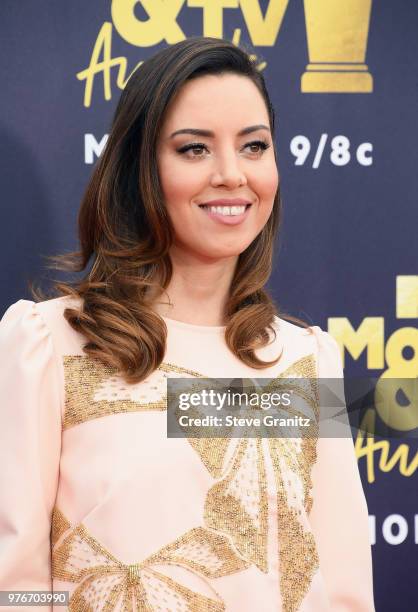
{"points": [[260, 146], [258, 143], [192, 147]]}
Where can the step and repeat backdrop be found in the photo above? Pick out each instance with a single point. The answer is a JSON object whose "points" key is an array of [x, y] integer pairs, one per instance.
{"points": [[343, 80]]}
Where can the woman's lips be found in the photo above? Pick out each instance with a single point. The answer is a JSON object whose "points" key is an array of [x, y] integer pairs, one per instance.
{"points": [[210, 211]]}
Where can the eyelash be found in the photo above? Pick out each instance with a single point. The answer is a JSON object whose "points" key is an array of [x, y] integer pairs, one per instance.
{"points": [[199, 145]]}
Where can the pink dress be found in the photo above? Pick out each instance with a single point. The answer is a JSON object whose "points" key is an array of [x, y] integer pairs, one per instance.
{"points": [[97, 501]]}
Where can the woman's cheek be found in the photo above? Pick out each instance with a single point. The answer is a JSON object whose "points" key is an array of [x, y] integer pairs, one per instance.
{"points": [[270, 180]]}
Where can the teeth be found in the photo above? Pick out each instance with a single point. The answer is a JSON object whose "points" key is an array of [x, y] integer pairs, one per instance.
{"points": [[227, 210]]}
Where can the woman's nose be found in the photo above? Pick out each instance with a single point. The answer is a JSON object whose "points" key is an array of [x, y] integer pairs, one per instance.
{"points": [[228, 171]]}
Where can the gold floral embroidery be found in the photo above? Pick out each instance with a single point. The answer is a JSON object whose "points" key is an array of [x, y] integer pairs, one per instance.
{"points": [[305, 385], [93, 390], [300, 377], [238, 505], [212, 455], [103, 578], [59, 525], [171, 367], [298, 556], [231, 507]]}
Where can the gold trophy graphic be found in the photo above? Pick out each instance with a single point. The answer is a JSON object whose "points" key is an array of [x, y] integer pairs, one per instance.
{"points": [[337, 32]]}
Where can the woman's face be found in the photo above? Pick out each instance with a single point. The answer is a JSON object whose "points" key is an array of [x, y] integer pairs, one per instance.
{"points": [[226, 164]]}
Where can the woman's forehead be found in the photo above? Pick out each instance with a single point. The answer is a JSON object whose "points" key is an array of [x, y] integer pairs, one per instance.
{"points": [[207, 102]]}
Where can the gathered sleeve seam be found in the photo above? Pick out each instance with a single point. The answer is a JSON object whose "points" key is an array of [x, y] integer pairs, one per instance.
{"points": [[58, 365]]}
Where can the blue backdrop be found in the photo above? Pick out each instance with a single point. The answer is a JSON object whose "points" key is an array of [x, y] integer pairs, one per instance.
{"points": [[343, 80]]}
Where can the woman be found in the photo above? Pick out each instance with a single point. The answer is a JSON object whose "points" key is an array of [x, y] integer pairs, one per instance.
{"points": [[179, 220]]}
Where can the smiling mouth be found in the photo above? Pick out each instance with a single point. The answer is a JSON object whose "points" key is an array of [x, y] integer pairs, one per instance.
{"points": [[226, 211]]}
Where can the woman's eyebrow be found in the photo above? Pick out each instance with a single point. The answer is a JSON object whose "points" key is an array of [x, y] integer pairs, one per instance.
{"points": [[210, 134]]}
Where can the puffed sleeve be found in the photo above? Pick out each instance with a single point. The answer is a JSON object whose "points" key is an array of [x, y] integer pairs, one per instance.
{"points": [[30, 426], [339, 513]]}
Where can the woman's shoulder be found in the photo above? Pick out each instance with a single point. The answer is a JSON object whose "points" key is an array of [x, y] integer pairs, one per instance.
{"points": [[26, 319], [312, 340], [291, 333], [55, 307], [312, 333], [49, 308]]}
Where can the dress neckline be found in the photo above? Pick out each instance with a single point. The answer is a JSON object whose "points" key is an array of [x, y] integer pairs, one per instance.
{"points": [[193, 326]]}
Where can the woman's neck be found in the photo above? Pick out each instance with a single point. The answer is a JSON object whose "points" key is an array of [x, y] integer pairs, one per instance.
{"points": [[197, 293]]}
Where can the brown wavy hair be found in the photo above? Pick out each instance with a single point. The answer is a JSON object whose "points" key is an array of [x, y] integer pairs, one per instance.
{"points": [[125, 232]]}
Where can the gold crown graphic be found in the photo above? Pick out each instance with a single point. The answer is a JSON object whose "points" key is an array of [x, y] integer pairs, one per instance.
{"points": [[337, 33]]}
